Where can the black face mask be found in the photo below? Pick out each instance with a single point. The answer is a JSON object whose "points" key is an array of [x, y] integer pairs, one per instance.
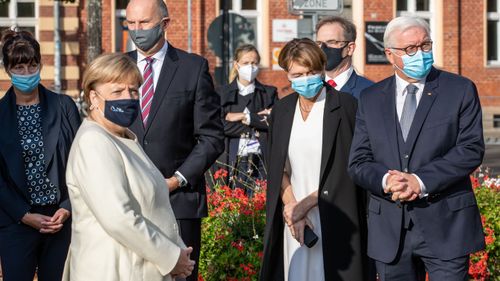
{"points": [[121, 112], [333, 56]]}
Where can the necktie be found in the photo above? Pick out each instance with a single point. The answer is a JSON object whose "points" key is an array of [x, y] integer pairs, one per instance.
{"points": [[332, 83], [409, 109], [148, 90]]}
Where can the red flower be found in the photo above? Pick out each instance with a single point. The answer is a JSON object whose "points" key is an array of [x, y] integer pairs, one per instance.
{"points": [[260, 254], [221, 173], [479, 269], [490, 238], [238, 246]]}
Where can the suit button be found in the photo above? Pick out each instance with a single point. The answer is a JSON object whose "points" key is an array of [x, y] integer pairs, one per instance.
{"points": [[146, 142], [325, 192], [406, 156], [405, 170]]}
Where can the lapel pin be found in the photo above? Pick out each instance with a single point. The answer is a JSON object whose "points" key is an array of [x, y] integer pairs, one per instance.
{"points": [[429, 94]]}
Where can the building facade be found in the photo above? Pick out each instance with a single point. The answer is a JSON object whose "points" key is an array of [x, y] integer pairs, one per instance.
{"points": [[466, 35]]}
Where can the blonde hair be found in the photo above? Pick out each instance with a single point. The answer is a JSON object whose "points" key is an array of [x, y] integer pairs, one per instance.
{"points": [[240, 51], [303, 52], [110, 68]]}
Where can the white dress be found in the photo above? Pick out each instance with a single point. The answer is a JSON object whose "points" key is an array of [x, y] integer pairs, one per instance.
{"points": [[303, 165]]}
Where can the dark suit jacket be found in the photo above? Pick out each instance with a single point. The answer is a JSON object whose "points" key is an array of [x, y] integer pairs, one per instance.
{"points": [[184, 131], [342, 214], [263, 97], [356, 84], [60, 121], [445, 145]]}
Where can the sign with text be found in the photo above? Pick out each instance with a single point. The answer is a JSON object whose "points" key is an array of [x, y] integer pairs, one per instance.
{"points": [[314, 6], [284, 30], [374, 39]]}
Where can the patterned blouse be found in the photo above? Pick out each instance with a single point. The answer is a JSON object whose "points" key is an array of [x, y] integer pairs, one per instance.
{"points": [[41, 191]]}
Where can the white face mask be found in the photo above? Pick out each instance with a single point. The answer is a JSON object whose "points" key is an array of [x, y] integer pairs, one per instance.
{"points": [[248, 72]]}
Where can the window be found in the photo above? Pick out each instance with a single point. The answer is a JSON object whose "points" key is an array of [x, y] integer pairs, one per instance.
{"points": [[496, 121], [22, 13], [492, 31], [419, 8], [251, 11]]}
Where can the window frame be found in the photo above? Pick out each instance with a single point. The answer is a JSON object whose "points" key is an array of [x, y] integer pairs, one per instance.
{"points": [[493, 16], [429, 15], [13, 19], [257, 14]]}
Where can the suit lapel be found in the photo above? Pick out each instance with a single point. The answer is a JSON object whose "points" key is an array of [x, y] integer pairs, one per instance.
{"points": [[428, 96], [168, 69], [285, 123], [51, 123], [350, 84], [331, 122], [229, 96], [10, 145], [390, 118]]}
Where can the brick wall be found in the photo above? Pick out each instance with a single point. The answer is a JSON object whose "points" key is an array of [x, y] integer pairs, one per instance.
{"points": [[378, 10], [70, 30]]}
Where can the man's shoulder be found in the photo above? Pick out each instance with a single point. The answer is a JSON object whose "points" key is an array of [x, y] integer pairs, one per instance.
{"points": [[362, 81], [375, 89], [449, 77], [189, 58]]}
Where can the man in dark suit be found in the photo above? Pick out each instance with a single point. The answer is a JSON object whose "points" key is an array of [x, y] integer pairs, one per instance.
{"points": [[337, 38], [418, 137], [179, 126]]}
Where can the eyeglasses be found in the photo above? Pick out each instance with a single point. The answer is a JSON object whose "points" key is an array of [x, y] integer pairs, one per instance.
{"points": [[413, 49], [25, 68], [333, 43]]}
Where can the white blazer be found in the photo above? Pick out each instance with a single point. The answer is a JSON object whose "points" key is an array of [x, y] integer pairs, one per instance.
{"points": [[123, 225]]}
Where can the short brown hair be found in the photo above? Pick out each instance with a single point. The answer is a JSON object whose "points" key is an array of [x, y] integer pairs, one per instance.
{"points": [[19, 47], [348, 27], [304, 52], [110, 68]]}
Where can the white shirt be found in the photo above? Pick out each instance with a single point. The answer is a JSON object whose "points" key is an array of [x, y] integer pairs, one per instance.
{"points": [[401, 92], [341, 79], [159, 57], [245, 90]]}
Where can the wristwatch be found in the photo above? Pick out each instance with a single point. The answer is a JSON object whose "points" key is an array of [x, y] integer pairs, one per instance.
{"points": [[180, 179]]}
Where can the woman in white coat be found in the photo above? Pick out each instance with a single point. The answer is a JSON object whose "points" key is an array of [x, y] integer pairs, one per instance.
{"points": [[123, 225]]}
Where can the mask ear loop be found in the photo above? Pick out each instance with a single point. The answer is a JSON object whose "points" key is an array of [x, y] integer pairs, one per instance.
{"points": [[92, 106]]}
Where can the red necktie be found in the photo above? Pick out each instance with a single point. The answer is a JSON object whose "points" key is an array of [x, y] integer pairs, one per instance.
{"points": [[332, 83], [148, 90]]}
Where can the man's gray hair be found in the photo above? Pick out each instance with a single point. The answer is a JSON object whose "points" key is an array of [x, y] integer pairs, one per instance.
{"points": [[163, 8], [402, 24]]}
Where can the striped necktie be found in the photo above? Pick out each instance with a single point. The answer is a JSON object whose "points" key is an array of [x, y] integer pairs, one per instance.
{"points": [[148, 90]]}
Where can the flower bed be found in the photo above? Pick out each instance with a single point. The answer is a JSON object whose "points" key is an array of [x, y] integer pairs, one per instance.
{"points": [[232, 235], [485, 265]]}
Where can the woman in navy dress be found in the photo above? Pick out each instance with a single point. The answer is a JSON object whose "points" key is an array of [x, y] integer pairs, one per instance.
{"points": [[37, 127]]}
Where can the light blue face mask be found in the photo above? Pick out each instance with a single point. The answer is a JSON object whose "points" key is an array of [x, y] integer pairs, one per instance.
{"points": [[308, 86], [418, 65], [26, 83]]}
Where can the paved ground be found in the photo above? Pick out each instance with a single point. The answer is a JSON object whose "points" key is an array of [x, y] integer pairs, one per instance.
{"points": [[492, 158]]}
